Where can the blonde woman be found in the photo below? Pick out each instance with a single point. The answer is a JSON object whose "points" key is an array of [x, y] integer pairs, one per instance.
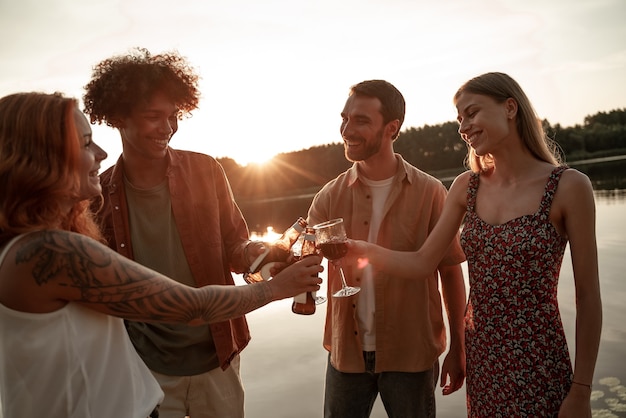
{"points": [[519, 208]]}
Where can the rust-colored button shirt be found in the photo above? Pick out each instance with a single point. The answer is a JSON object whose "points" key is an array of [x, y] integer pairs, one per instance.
{"points": [[212, 230], [410, 331]]}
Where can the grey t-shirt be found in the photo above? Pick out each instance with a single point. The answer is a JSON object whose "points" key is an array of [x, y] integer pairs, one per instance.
{"points": [[171, 349]]}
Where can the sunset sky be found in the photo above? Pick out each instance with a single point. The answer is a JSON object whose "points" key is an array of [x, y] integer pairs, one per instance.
{"points": [[275, 73], [274, 78]]}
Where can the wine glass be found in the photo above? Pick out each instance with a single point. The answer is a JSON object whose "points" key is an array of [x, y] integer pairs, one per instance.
{"points": [[331, 237]]}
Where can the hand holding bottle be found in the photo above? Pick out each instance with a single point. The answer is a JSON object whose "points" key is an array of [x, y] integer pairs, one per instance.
{"points": [[253, 250], [266, 264], [300, 277]]}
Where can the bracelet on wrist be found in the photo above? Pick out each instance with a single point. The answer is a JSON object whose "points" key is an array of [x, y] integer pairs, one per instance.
{"points": [[581, 384]]}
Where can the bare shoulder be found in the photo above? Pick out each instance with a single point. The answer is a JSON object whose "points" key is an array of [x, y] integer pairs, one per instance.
{"points": [[573, 183], [463, 178], [30, 246], [60, 257], [574, 197], [458, 189], [48, 235], [39, 269], [58, 242]]}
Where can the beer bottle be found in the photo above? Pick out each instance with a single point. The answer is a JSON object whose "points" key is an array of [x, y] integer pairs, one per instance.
{"points": [[304, 303], [277, 251]]}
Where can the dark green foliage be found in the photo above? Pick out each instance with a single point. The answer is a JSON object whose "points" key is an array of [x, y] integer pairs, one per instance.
{"points": [[612, 118], [602, 135]]}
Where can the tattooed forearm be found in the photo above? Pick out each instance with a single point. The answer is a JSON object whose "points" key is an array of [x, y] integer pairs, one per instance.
{"points": [[230, 304], [194, 305], [97, 276]]}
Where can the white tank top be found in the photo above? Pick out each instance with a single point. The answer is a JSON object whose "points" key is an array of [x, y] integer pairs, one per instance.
{"points": [[71, 363]]}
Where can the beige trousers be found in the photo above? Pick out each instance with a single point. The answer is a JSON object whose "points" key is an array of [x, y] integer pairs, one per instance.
{"points": [[214, 394]]}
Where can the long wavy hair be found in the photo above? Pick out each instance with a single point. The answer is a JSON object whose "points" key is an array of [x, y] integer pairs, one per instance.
{"points": [[500, 87], [39, 160]]}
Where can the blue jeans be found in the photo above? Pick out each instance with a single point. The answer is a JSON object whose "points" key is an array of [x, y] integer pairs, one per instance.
{"points": [[404, 395]]}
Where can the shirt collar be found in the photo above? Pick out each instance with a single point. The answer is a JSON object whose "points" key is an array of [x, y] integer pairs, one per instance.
{"points": [[402, 172], [118, 168]]}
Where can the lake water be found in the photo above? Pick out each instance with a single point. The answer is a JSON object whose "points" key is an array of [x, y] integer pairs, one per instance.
{"points": [[283, 368]]}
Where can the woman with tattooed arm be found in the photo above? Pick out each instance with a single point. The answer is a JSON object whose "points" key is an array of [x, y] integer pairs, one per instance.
{"points": [[64, 351]]}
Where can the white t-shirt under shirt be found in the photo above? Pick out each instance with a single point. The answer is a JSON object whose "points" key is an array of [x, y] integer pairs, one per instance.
{"points": [[366, 307]]}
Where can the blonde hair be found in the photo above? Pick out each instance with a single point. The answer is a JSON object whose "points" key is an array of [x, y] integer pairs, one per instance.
{"points": [[500, 87], [39, 160]]}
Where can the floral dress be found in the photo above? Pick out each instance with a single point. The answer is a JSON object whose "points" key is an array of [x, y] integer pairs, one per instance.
{"points": [[518, 364]]}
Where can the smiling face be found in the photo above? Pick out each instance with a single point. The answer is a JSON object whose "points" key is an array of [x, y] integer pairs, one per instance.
{"points": [[483, 122], [362, 127], [91, 155], [149, 128]]}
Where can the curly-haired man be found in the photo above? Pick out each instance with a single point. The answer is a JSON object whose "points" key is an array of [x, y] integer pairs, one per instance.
{"points": [[174, 212]]}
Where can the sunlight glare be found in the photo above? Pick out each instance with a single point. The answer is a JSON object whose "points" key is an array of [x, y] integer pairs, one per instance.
{"points": [[269, 236], [252, 157]]}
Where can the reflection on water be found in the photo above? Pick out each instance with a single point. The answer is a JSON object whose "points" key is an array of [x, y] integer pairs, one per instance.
{"points": [[607, 175], [613, 394], [610, 196], [609, 392]]}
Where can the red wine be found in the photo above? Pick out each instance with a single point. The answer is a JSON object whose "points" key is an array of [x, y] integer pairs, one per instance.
{"points": [[334, 250]]}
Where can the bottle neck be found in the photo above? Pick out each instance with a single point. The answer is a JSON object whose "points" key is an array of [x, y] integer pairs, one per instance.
{"points": [[290, 236]]}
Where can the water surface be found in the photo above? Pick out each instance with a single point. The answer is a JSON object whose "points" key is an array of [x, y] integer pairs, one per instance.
{"points": [[283, 368]]}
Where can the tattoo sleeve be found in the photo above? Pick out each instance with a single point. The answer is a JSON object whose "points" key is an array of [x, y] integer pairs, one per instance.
{"points": [[85, 271]]}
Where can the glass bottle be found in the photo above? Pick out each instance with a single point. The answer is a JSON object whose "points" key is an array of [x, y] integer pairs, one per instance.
{"points": [[304, 303], [275, 252]]}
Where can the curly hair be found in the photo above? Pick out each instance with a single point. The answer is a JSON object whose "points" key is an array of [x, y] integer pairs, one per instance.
{"points": [[500, 87], [39, 160], [120, 83]]}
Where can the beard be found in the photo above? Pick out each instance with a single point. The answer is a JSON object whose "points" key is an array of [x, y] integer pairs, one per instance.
{"points": [[366, 149]]}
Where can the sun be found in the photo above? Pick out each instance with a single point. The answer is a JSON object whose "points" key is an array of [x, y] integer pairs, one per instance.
{"points": [[253, 157]]}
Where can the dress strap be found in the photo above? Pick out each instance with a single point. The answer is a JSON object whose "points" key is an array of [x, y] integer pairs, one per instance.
{"points": [[7, 247], [551, 186], [472, 188]]}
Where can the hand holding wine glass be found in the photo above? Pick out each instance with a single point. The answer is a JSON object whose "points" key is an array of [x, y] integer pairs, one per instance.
{"points": [[331, 238]]}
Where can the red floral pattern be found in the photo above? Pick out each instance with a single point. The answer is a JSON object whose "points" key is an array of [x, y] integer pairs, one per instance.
{"points": [[518, 364]]}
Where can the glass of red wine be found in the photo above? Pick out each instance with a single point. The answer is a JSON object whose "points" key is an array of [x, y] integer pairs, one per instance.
{"points": [[331, 238]]}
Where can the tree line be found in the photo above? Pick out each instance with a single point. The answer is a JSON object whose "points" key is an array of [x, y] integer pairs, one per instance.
{"points": [[279, 191]]}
